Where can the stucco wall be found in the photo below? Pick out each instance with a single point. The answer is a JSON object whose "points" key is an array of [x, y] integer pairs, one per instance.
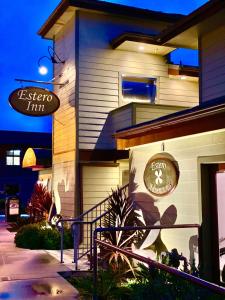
{"points": [[186, 198]]}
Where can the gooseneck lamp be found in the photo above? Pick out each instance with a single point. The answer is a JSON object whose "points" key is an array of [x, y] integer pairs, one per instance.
{"points": [[53, 57]]}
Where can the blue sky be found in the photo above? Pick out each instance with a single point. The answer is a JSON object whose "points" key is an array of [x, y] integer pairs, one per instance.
{"points": [[21, 47]]}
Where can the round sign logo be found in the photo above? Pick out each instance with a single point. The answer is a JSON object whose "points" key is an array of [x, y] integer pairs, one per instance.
{"points": [[34, 101], [160, 176]]}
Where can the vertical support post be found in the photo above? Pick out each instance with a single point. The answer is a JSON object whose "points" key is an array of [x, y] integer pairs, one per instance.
{"points": [[91, 246], [95, 266], [61, 242], [76, 237]]}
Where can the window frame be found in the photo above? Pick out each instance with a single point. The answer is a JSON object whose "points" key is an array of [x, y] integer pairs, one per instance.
{"points": [[122, 101], [13, 156]]}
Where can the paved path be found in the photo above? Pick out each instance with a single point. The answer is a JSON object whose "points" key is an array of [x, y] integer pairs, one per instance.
{"points": [[30, 274]]}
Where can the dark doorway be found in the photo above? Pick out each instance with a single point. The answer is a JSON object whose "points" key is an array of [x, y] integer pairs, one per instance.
{"points": [[213, 221]]}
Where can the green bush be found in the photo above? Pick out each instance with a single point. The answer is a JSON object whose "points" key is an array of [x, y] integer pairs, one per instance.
{"points": [[38, 236], [28, 236]]}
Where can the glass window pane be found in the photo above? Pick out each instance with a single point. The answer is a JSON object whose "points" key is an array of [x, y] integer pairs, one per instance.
{"points": [[16, 161], [139, 88], [9, 161], [16, 152], [9, 152]]}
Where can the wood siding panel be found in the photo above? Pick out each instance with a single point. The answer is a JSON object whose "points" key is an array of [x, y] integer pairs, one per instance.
{"points": [[213, 64], [151, 113], [96, 79], [98, 183], [100, 70], [64, 129]]}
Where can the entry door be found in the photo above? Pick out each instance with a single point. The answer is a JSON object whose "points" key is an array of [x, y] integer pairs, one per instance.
{"points": [[209, 238], [220, 193]]}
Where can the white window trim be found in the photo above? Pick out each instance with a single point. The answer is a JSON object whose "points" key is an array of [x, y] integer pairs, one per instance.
{"points": [[123, 102], [13, 157]]}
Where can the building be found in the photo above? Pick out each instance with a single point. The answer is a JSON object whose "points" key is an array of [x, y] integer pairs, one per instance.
{"points": [[15, 180], [116, 76], [194, 142]]}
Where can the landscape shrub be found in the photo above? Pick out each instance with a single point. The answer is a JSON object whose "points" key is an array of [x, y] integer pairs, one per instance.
{"points": [[38, 236], [28, 236]]}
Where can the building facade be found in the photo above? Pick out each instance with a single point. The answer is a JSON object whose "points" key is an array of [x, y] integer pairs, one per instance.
{"points": [[117, 77], [194, 141]]}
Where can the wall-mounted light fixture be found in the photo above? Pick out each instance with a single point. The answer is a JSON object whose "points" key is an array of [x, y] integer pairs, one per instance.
{"points": [[53, 57]]}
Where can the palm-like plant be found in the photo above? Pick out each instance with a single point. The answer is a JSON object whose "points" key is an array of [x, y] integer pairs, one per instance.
{"points": [[40, 202], [121, 214]]}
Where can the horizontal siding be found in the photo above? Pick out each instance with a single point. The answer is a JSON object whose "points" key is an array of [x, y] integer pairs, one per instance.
{"points": [[122, 119], [64, 129], [144, 114], [96, 84], [178, 92], [110, 55], [96, 79], [213, 64], [105, 73], [100, 109], [129, 67], [100, 69], [98, 183]]}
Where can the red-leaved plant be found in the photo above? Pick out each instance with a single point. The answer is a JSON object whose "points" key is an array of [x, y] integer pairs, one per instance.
{"points": [[40, 203]]}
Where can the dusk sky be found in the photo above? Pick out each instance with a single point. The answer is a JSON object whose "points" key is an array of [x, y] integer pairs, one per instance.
{"points": [[21, 48]]}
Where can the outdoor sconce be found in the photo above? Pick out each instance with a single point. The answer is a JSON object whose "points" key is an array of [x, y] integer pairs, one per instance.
{"points": [[53, 57]]}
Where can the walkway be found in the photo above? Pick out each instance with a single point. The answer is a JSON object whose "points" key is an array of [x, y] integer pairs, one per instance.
{"points": [[30, 274]]}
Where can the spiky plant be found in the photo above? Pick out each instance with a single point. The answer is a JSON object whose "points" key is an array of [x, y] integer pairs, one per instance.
{"points": [[40, 202], [121, 214]]}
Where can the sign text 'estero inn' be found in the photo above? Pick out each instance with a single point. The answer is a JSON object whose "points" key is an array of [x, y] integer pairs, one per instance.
{"points": [[34, 101]]}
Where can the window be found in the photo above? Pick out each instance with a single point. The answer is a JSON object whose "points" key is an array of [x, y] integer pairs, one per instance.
{"points": [[13, 158], [138, 89]]}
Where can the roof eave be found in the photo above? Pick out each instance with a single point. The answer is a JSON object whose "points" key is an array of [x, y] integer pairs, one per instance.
{"points": [[198, 16], [106, 7], [207, 119], [55, 15]]}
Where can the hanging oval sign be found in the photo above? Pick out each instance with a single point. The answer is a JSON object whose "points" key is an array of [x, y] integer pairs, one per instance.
{"points": [[161, 176], [34, 101]]}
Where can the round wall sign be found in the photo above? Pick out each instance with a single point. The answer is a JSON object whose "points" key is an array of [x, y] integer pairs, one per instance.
{"points": [[161, 176]]}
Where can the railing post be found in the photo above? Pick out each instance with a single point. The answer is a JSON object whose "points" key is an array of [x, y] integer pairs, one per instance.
{"points": [[95, 266], [61, 243], [91, 246], [76, 237]]}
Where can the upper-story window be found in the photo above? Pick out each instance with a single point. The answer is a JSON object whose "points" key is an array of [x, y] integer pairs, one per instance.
{"points": [[138, 88], [13, 157]]}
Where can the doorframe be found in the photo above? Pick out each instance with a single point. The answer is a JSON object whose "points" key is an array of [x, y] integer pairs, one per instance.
{"points": [[208, 239]]}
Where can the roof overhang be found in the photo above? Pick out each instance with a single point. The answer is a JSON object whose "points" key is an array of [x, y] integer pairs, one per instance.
{"points": [[183, 34], [65, 10], [140, 43], [192, 121]]}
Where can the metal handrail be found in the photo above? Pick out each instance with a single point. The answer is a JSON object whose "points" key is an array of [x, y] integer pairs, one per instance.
{"points": [[203, 283], [79, 221], [76, 233], [196, 280]]}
